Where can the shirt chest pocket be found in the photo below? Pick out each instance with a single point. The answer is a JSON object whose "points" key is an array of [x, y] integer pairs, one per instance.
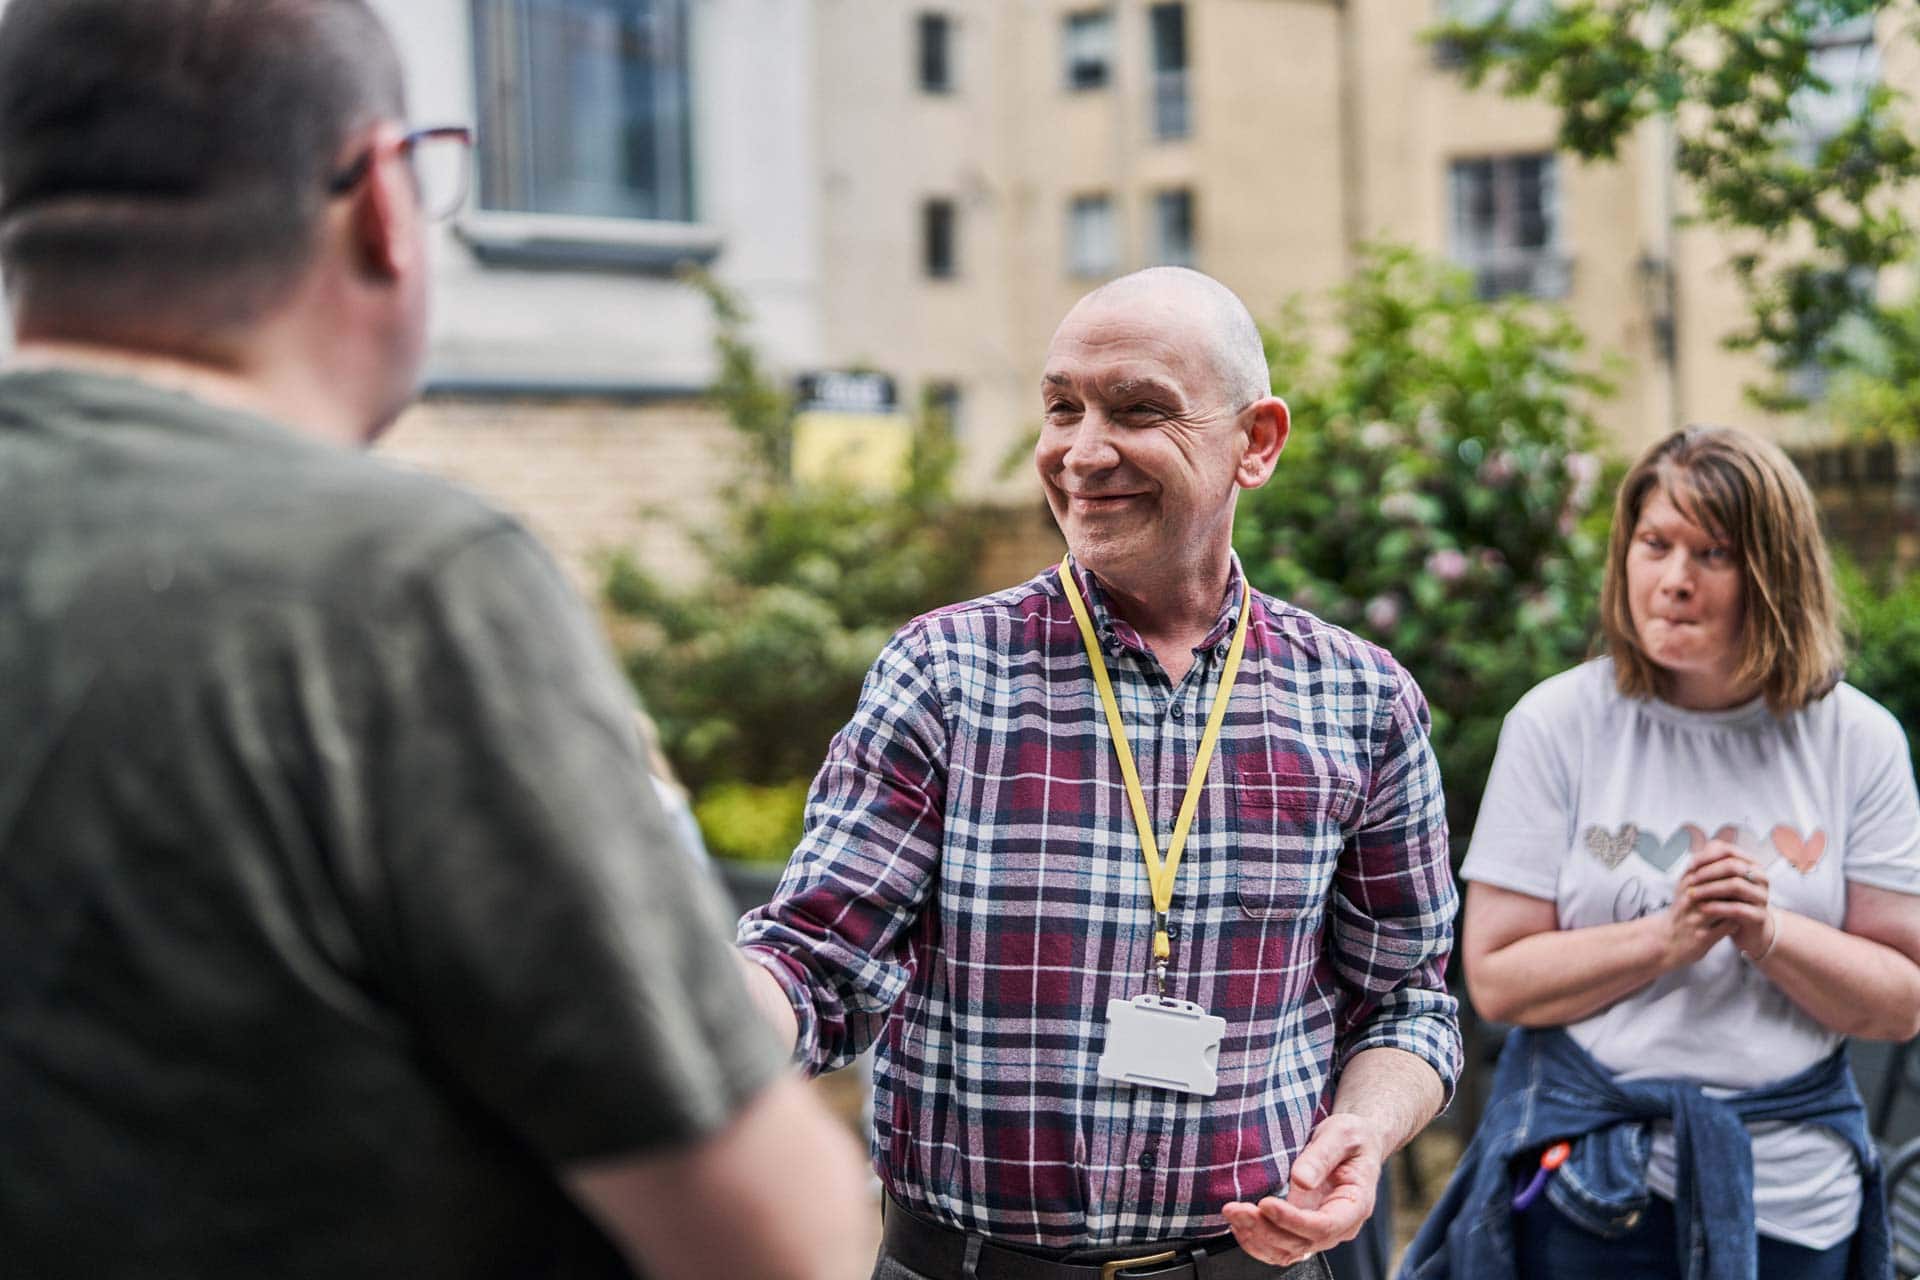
{"points": [[1289, 829]]}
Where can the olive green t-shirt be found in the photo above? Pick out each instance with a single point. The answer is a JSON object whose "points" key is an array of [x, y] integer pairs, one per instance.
{"points": [[336, 911]]}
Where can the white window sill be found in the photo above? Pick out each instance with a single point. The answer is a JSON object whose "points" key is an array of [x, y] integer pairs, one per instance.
{"points": [[601, 244]]}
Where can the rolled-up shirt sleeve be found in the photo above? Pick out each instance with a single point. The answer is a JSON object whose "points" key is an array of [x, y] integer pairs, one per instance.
{"points": [[836, 933], [1394, 901]]}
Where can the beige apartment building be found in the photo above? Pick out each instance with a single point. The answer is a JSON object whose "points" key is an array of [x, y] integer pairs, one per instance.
{"points": [[987, 161]]}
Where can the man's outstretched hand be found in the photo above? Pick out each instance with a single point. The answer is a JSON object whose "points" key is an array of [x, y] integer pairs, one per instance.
{"points": [[1329, 1197]]}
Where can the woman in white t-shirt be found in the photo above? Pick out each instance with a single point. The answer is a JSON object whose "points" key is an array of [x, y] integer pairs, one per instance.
{"points": [[1700, 856]]}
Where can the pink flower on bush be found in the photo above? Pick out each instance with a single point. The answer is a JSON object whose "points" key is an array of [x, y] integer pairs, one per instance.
{"points": [[1498, 468], [1382, 613], [1447, 564], [1584, 470]]}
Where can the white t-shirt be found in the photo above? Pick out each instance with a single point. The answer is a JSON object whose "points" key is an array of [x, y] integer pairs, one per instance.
{"points": [[1595, 802]]}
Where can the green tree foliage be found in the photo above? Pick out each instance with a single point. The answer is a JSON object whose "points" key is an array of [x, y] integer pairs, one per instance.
{"points": [[1813, 226], [1439, 496], [1884, 628], [1877, 395], [751, 672]]}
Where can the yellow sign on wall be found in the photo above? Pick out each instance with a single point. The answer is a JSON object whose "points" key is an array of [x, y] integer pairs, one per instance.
{"points": [[867, 451]]}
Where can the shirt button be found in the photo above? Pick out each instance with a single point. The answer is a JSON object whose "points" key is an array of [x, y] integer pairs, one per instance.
{"points": [[1147, 1162], [1178, 712]]}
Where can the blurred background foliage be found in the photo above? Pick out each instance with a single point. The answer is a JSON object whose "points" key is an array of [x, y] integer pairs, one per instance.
{"points": [[1816, 227], [749, 673], [1442, 496], [1884, 631]]}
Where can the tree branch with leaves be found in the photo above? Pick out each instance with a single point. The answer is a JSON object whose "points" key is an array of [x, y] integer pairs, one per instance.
{"points": [[1814, 218]]}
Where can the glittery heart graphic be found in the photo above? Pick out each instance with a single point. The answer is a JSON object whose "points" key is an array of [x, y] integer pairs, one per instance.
{"points": [[1610, 847], [1803, 854], [1664, 853]]}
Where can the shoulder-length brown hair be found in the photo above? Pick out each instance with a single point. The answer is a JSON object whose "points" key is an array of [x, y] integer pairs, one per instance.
{"points": [[1746, 490]]}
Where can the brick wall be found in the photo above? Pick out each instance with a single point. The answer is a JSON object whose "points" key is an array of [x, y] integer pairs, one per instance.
{"points": [[1869, 496], [586, 476], [592, 476]]}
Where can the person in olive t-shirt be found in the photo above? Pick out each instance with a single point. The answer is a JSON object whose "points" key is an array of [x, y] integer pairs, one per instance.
{"points": [[341, 931]]}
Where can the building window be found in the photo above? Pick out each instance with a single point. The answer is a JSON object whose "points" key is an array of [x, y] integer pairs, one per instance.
{"points": [[1089, 49], [1168, 23], [939, 236], [1173, 228], [1520, 13], [941, 402], [585, 107], [936, 53], [1845, 56], [1093, 244], [1811, 379], [1506, 225]]}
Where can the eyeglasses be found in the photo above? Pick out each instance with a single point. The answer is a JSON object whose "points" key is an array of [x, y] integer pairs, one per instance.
{"points": [[440, 160]]}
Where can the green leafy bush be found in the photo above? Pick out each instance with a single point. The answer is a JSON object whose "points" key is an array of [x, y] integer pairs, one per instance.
{"points": [[752, 823], [1884, 628], [750, 673], [1441, 495]]}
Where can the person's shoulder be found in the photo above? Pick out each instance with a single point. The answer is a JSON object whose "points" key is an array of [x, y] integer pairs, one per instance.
{"points": [[1857, 713], [1325, 644], [354, 526], [417, 517], [989, 617], [1577, 694]]}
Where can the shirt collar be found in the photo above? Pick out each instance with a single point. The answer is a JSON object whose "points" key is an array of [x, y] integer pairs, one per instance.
{"points": [[1117, 630]]}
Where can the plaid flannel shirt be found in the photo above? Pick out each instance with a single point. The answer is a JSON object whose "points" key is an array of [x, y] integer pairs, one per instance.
{"points": [[970, 893]]}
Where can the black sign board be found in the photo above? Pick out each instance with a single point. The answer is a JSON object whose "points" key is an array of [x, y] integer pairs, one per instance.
{"points": [[839, 391]]}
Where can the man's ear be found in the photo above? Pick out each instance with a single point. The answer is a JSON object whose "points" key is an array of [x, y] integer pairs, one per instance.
{"points": [[1267, 423], [385, 217]]}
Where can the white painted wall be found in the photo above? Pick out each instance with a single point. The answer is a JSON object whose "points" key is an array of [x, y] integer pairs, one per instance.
{"points": [[754, 142], [756, 187]]}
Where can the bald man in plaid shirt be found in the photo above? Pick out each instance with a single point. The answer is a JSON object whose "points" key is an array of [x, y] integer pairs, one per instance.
{"points": [[1102, 1051]]}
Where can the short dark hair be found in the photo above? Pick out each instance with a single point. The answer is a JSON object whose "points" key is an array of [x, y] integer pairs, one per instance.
{"points": [[164, 163]]}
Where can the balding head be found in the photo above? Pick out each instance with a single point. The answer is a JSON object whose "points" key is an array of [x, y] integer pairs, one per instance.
{"points": [[1194, 299], [1157, 414]]}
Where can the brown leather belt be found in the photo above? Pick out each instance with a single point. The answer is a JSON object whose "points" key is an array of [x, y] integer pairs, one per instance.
{"points": [[944, 1253]]}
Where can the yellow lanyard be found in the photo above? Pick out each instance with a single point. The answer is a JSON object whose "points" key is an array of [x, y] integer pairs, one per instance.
{"points": [[1160, 873]]}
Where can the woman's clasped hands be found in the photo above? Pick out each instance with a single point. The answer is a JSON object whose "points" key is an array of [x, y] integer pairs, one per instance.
{"points": [[1724, 894]]}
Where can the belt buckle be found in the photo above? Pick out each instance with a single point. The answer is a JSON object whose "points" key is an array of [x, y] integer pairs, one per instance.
{"points": [[1112, 1270]]}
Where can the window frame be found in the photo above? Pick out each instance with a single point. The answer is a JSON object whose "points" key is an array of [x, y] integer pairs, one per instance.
{"points": [[1162, 200], [503, 65], [1171, 109], [927, 21], [1496, 255], [940, 230], [1806, 132], [1078, 20], [1079, 265]]}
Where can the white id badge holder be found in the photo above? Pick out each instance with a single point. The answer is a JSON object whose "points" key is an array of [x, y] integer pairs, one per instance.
{"points": [[1165, 1044]]}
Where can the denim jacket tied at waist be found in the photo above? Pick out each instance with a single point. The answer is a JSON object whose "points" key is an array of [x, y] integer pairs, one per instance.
{"points": [[1547, 1088]]}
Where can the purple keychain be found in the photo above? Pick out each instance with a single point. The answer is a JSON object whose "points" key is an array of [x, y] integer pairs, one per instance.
{"points": [[1550, 1159]]}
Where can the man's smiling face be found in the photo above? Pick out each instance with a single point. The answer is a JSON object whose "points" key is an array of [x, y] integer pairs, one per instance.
{"points": [[1139, 450]]}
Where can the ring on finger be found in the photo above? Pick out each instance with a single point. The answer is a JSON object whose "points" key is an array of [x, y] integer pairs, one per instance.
{"points": [[1750, 876]]}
